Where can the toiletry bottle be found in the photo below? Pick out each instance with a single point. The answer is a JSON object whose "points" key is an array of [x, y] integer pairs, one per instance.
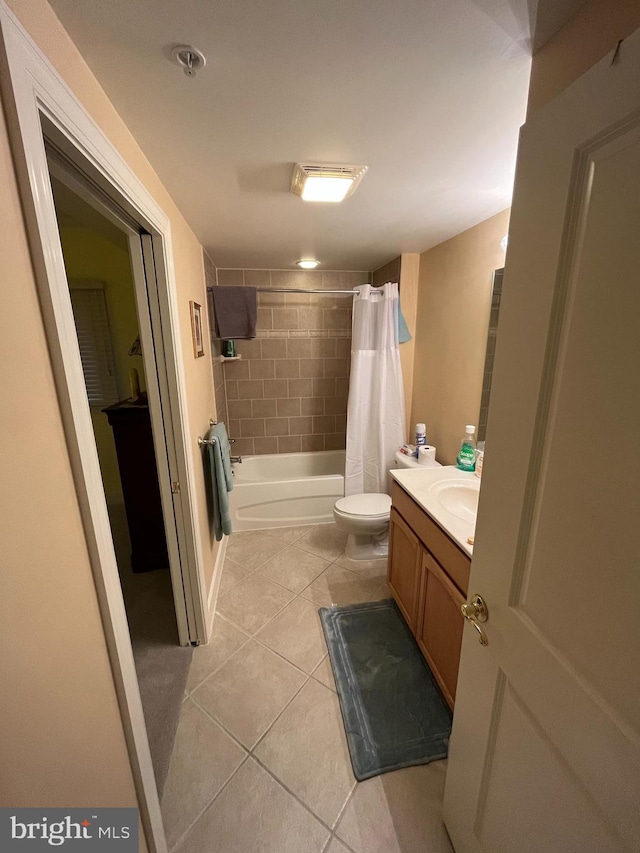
{"points": [[466, 460], [479, 459], [421, 437]]}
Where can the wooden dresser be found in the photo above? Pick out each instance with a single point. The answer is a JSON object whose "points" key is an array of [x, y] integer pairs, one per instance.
{"points": [[131, 424]]}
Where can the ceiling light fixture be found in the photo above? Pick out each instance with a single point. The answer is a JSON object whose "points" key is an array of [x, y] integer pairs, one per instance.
{"points": [[190, 58], [325, 182], [308, 264]]}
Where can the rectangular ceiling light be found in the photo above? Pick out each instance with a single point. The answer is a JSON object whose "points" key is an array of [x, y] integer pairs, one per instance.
{"points": [[325, 182]]}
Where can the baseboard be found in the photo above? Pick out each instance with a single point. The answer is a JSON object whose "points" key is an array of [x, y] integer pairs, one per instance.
{"points": [[212, 599]]}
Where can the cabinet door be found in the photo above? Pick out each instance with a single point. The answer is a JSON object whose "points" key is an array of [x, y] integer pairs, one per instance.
{"points": [[440, 625], [404, 567]]}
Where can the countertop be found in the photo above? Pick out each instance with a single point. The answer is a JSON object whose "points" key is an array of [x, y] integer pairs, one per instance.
{"points": [[417, 483]]}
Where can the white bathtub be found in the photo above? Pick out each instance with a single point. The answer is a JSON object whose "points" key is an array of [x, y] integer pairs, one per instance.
{"points": [[278, 490]]}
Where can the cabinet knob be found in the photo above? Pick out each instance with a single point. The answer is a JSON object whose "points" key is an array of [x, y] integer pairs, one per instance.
{"points": [[474, 612]]}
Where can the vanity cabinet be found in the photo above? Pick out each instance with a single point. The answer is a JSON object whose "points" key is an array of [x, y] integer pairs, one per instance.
{"points": [[405, 567], [429, 577]]}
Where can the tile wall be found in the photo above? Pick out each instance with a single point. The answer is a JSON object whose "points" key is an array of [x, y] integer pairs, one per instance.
{"points": [[288, 392], [220, 392], [389, 272], [496, 296]]}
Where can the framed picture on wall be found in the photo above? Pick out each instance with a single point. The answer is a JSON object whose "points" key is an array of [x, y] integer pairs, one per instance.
{"points": [[196, 329]]}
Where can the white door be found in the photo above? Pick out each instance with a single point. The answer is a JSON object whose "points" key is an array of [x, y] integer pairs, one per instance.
{"points": [[545, 751]]}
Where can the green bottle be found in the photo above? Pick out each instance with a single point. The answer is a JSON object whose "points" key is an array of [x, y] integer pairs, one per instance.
{"points": [[466, 460]]}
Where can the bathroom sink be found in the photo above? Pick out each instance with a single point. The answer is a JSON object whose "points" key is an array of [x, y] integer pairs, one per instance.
{"points": [[448, 495], [458, 496]]}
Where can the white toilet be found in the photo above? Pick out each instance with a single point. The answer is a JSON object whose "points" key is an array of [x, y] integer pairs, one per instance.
{"points": [[366, 519]]}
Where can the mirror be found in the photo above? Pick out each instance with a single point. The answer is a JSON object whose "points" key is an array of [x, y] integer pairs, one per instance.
{"points": [[496, 295]]}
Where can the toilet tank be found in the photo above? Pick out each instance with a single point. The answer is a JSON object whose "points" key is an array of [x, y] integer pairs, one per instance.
{"points": [[401, 460]]}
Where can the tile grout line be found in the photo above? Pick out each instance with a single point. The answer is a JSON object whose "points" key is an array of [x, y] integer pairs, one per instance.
{"points": [[299, 595], [184, 835], [255, 637], [342, 813], [218, 722], [214, 671], [295, 796], [250, 753]]}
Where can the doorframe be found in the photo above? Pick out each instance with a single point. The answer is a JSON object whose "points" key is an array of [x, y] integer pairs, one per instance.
{"points": [[159, 395], [31, 89]]}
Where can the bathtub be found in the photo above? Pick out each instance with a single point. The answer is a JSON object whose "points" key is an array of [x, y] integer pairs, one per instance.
{"points": [[278, 490]]}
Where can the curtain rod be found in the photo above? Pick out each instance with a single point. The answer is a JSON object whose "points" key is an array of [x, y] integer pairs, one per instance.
{"points": [[300, 290]]}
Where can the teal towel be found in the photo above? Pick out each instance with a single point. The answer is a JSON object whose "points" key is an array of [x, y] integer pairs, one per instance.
{"points": [[404, 334], [219, 454]]}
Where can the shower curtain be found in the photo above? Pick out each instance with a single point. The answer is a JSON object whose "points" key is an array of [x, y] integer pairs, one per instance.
{"points": [[375, 411]]}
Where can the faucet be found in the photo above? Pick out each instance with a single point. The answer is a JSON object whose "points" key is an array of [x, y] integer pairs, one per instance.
{"points": [[235, 458]]}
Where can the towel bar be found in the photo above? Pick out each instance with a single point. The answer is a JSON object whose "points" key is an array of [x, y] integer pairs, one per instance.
{"points": [[204, 441]]}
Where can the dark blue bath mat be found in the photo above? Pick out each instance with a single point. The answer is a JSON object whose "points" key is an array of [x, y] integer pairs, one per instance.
{"points": [[394, 714]]}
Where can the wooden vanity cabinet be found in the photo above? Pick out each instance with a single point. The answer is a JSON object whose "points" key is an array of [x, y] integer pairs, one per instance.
{"points": [[440, 624], [405, 567], [429, 577]]}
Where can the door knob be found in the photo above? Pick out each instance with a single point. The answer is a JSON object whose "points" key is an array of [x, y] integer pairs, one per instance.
{"points": [[474, 612]]}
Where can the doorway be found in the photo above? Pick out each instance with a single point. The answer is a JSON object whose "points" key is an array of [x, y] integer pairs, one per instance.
{"points": [[101, 283]]}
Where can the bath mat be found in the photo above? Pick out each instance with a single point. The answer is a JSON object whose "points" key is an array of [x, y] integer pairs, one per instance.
{"points": [[394, 714]]}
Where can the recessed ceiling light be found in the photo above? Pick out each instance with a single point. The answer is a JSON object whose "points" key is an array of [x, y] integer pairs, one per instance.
{"points": [[325, 182], [308, 264]]}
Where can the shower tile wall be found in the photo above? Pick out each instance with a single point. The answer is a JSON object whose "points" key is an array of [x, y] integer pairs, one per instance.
{"points": [[389, 272], [222, 413], [289, 391]]}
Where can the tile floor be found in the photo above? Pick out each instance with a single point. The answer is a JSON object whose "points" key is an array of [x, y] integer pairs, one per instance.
{"points": [[260, 761]]}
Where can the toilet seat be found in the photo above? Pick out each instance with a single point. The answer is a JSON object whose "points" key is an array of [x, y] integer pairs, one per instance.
{"points": [[372, 505]]}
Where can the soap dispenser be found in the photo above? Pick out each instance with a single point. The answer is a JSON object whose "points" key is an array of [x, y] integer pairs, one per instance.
{"points": [[466, 460]]}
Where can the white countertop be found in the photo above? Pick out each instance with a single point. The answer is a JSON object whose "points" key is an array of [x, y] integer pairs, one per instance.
{"points": [[418, 482]]}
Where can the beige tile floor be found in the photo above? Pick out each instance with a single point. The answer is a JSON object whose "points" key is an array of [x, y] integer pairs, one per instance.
{"points": [[260, 761]]}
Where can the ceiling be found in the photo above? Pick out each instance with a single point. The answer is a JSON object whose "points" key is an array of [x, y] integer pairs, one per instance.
{"points": [[429, 94]]}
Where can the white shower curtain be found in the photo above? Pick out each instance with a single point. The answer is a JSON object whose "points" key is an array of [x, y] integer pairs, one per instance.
{"points": [[375, 412]]}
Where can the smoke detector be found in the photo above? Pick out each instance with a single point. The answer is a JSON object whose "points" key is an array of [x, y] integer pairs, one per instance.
{"points": [[190, 58], [325, 182]]}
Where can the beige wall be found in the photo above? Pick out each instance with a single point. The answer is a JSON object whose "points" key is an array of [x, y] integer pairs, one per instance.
{"points": [[288, 393], [454, 301], [409, 283], [593, 32], [62, 741]]}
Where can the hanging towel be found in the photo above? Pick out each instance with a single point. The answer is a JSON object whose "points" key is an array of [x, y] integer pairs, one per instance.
{"points": [[221, 484], [404, 334], [236, 312]]}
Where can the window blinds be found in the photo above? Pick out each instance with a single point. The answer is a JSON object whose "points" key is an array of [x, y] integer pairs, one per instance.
{"points": [[96, 351]]}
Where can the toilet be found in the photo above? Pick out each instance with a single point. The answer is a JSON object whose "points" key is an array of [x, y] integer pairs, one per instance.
{"points": [[365, 518]]}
